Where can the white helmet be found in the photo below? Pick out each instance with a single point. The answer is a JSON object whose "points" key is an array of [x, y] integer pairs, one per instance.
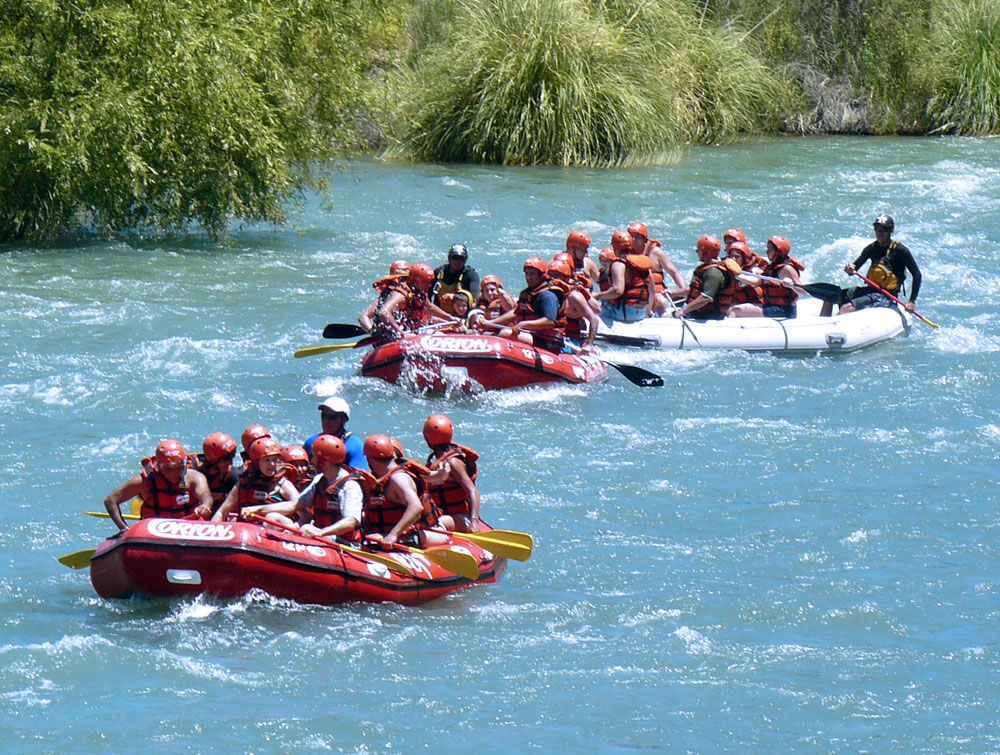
{"points": [[337, 405]]}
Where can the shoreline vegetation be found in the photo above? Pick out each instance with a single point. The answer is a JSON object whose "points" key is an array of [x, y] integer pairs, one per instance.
{"points": [[159, 117]]}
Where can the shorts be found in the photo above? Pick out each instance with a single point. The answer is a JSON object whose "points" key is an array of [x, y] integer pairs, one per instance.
{"points": [[775, 310], [611, 313], [873, 299]]}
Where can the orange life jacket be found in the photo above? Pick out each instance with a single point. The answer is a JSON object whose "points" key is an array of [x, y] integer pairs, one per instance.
{"points": [[638, 268], [450, 497], [526, 312], [168, 500], [774, 293], [490, 308], [651, 244], [380, 515], [724, 296], [254, 489]]}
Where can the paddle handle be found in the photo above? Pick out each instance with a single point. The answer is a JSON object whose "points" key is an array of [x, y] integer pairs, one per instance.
{"points": [[877, 287]]}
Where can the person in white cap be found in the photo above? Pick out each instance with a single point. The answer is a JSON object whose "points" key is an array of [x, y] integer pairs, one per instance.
{"points": [[334, 413]]}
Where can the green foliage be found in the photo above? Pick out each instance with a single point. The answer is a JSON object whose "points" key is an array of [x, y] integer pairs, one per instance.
{"points": [[568, 82], [967, 46], [120, 114]]}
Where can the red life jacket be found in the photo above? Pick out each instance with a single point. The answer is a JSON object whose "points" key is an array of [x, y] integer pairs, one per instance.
{"points": [[255, 490], [774, 293], [490, 308], [450, 497], [413, 314], [724, 296], [651, 244], [218, 484], [526, 312], [168, 500], [380, 514], [326, 501], [638, 268]]}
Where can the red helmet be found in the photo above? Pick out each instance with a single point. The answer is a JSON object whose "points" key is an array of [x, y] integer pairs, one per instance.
{"points": [[578, 240], [252, 433], [218, 446], [487, 280], [709, 244], [639, 229], [734, 233], [294, 455], [169, 450], [421, 273], [562, 267], [399, 267], [621, 241], [263, 447], [438, 430], [607, 255], [537, 263], [398, 448], [740, 247], [783, 245], [328, 449], [379, 447]]}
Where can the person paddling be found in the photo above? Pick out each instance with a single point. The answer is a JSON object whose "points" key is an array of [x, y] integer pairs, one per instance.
{"points": [[262, 482], [889, 262], [534, 320], [396, 280], [778, 299], [331, 505], [168, 485], [409, 310], [453, 479], [713, 283]]}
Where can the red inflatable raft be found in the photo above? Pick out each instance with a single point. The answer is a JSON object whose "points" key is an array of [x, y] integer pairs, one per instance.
{"points": [[172, 557], [441, 361]]}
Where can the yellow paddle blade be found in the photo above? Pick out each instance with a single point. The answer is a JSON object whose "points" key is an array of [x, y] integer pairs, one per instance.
{"points": [[78, 560], [498, 547], [510, 536], [461, 564], [377, 558], [136, 506], [311, 351], [106, 515]]}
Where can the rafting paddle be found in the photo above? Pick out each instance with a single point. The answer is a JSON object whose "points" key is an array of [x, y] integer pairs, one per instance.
{"points": [[78, 559], [617, 340], [376, 557], [311, 351], [823, 291], [877, 287], [106, 515], [461, 564], [498, 546], [343, 330]]}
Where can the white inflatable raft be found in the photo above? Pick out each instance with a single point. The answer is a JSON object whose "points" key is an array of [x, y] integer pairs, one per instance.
{"points": [[806, 334]]}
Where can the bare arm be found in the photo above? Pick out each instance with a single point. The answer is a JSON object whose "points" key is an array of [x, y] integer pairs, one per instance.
{"points": [[126, 491]]}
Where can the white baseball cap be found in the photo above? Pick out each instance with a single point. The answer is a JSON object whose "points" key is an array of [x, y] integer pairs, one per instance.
{"points": [[336, 404]]}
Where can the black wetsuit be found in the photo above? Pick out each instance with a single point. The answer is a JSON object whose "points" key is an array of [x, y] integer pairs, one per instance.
{"points": [[900, 260]]}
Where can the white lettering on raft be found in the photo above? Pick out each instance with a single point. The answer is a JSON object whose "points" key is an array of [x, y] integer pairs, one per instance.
{"points": [[451, 343], [176, 530]]}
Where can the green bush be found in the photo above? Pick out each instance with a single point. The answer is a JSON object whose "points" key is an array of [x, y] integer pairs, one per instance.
{"points": [[118, 114]]}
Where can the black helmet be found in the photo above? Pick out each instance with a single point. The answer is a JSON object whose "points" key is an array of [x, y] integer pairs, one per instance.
{"points": [[458, 250], [885, 221]]}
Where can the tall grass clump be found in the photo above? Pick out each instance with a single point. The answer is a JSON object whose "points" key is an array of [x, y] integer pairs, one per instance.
{"points": [[537, 82], [570, 82], [134, 114], [967, 87]]}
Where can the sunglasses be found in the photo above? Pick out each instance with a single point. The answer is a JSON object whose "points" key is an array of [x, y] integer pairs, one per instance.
{"points": [[332, 415]]}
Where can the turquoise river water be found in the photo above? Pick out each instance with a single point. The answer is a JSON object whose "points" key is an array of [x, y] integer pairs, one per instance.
{"points": [[765, 554]]}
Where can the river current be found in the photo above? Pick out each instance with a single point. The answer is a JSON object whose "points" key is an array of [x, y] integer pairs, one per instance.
{"points": [[767, 553]]}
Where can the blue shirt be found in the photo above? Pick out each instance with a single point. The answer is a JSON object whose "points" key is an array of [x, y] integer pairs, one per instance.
{"points": [[354, 446]]}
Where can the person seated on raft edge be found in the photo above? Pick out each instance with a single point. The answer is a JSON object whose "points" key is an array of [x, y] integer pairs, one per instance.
{"points": [[745, 293], [577, 245], [331, 505], [216, 463], [778, 298], [409, 310], [398, 508], [535, 319], [632, 292], [578, 306], [454, 275], [712, 285], [889, 262], [751, 260], [168, 486], [263, 486], [461, 309], [452, 482], [662, 264], [493, 300], [396, 280]]}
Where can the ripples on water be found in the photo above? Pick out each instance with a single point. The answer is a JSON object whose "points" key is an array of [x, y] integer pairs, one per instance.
{"points": [[765, 553]]}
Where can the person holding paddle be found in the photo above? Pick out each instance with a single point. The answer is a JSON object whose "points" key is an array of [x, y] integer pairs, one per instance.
{"points": [[452, 483], [779, 283], [889, 262]]}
